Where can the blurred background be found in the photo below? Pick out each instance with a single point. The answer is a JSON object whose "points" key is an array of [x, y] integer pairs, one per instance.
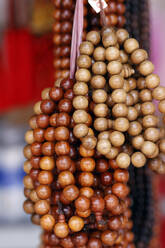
{"points": [[26, 67]]}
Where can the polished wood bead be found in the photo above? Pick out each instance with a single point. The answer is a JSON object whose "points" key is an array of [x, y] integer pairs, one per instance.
{"points": [[94, 243], [80, 239], [114, 67], [76, 223], [101, 124], [106, 178], [61, 230], [86, 152], [99, 54], [27, 167], [28, 182], [27, 152], [123, 160], [66, 178], [37, 108], [99, 96], [29, 137], [148, 148], [61, 133], [65, 105], [56, 93], [86, 48], [87, 164], [138, 56], [152, 81], [109, 237], [43, 121], [162, 145], [84, 61], [86, 179], [63, 119], [138, 159], [47, 163], [152, 134], [132, 114], [97, 204], [89, 142], [98, 81], [122, 35], [100, 110], [62, 148], [135, 128], [116, 81], [45, 177], [159, 93], [104, 146], [99, 68], [87, 192], [80, 116], [146, 68], [43, 192], [117, 138], [109, 39], [33, 122], [121, 124], [121, 175], [28, 207], [63, 162], [148, 108], [161, 106], [130, 45], [114, 223], [47, 222], [80, 88], [67, 242], [80, 130], [112, 53], [93, 37], [80, 102], [47, 106], [82, 203], [138, 141], [120, 190], [42, 207], [111, 201], [83, 75], [71, 192]]}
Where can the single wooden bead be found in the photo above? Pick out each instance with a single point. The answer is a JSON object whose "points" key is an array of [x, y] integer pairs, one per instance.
{"points": [[29, 137], [152, 81], [99, 54], [159, 93], [93, 37], [35, 219], [146, 68], [76, 223], [34, 174], [135, 128], [111, 201], [89, 142], [47, 163], [86, 179], [48, 134], [69, 94], [109, 39], [121, 124], [65, 105], [28, 207], [43, 192], [116, 82], [61, 230], [45, 94], [67, 242], [47, 106], [63, 163], [114, 67], [120, 110], [121, 175], [66, 83], [152, 134], [129, 100], [87, 164], [123, 57], [109, 237], [83, 75], [80, 130], [132, 83], [86, 48], [38, 134], [138, 56], [102, 165], [27, 152], [27, 167], [97, 204], [86, 152], [80, 116], [122, 35], [103, 146], [66, 178], [71, 192], [103, 135], [43, 121], [138, 159], [99, 68], [98, 81], [33, 122], [47, 222], [100, 110], [48, 148], [162, 146], [56, 93], [101, 124], [28, 182], [123, 160], [106, 178], [80, 239], [112, 53], [45, 177], [137, 141], [82, 203], [148, 148], [132, 114], [141, 83], [126, 86], [117, 138], [42, 207], [135, 95], [99, 96], [37, 108], [63, 119], [80, 102], [94, 243], [84, 61], [113, 153], [130, 45], [148, 108], [145, 95], [61, 133], [120, 190], [161, 106], [62, 148], [87, 192], [80, 88]]}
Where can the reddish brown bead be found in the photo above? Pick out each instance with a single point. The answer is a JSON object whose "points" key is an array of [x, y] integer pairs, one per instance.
{"points": [[56, 93], [43, 121], [65, 105]]}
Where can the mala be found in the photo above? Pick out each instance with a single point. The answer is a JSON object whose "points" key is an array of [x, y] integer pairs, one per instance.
{"points": [[87, 131]]}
